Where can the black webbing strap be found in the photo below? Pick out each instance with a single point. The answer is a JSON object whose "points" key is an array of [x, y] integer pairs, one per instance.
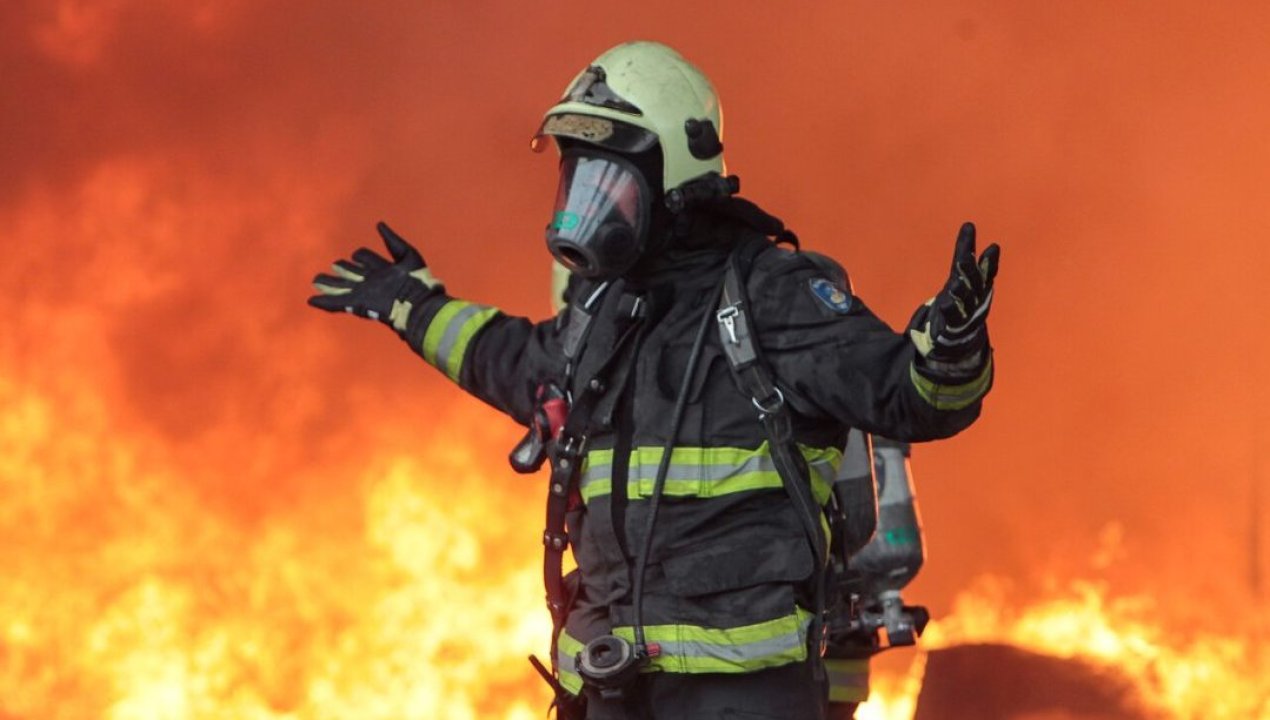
{"points": [[737, 335], [569, 450]]}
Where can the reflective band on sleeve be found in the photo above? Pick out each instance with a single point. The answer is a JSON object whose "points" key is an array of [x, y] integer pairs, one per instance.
{"points": [[696, 649], [952, 397], [450, 332], [567, 649], [707, 472], [848, 680]]}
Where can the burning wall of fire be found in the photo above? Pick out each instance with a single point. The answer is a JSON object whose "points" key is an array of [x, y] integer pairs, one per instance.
{"points": [[215, 503]]}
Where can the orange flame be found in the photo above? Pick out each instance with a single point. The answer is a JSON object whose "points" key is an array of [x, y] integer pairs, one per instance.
{"points": [[212, 507], [128, 600], [189, 568], [400, 581], [1182, 675]]}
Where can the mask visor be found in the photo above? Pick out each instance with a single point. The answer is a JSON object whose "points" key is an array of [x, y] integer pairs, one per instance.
{"points": [[600, 222]]}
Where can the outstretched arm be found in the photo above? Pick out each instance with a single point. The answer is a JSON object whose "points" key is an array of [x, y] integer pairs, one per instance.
{"points": [[498, 358], [836, 359]]}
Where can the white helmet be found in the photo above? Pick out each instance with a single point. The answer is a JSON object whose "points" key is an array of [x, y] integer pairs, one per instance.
{"points": [[638, 107], [639, 93]]}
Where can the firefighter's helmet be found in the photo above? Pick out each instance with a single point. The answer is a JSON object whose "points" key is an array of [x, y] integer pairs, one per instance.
{"points": [[638, 95]]}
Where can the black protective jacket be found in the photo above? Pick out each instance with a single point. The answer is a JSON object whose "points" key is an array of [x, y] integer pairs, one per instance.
{"points": [[727, 583]]}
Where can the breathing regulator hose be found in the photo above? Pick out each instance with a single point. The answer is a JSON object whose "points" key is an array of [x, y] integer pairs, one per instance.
{"points": [[663, 468]]}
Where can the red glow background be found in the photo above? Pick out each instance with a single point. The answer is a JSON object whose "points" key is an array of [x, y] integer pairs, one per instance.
{"points": [[176, 172]]}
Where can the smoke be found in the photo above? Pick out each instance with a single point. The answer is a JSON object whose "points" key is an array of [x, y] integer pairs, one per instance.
{"points": [[177, 171]]}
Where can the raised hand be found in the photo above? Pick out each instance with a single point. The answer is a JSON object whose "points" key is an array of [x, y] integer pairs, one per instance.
{"points": [[950, 331], [372, 286]]}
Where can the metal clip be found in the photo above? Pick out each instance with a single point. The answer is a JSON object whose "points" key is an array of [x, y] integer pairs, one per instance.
{"points": [[570, 447], [727, 318], [775, 403]]}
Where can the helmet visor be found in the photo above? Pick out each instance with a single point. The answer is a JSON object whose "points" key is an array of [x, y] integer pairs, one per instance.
{"points": [[600, 221]]}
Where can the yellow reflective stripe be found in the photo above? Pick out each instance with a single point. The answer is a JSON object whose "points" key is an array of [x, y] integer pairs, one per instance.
{"points": [[707, 472], [597, 475], [567, 649], [449, 333], [454, 363], [824, 464], [848, 680], [697, 649], [596, 488], [951, 397]]}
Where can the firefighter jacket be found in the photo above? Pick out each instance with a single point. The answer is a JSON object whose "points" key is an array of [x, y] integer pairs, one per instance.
{"points": [[726, 588]]}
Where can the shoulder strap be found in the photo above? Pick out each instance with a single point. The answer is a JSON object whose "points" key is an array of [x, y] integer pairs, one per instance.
{"points": [[568, 450], [736, 329], [578, 326], [574, 326], [738, 335]]}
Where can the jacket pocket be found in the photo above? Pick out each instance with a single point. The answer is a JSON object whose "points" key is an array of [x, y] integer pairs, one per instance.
{"points": [[734, 566], [671, 364]]}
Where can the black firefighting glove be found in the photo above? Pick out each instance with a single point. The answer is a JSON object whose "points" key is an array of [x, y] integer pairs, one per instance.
{"points": [[950, 330], [374, 287]]}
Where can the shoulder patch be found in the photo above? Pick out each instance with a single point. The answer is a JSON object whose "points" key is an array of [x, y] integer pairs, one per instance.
{"points": [[833, 296]]}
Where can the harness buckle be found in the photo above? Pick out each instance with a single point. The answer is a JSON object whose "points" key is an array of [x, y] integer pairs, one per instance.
{"points": [[773, 407], [727, 318], [569, 447]]}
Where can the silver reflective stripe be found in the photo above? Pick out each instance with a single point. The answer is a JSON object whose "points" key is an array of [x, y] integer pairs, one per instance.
{"points": [[567, 661], [706, 472], [848, 678], [698, 649], [827, 471], [453, 330], [596, 479], [741, 655], [567, 649]]}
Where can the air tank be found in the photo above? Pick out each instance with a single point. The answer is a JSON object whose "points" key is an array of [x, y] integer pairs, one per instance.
{"points": [[893, 557], [856, 493]]}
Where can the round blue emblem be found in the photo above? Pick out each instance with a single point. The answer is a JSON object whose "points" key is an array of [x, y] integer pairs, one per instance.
{"points": [[833, 297]]}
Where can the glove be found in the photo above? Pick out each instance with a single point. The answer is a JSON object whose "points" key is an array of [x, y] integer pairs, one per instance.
{"points": [[371, 286], [950, 330]]}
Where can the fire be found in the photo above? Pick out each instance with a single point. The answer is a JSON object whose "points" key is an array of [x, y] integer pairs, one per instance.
{"points": [[216, 504], [190, 532], [894, 697], [257, 568], [1186, 675], [125, 599]]}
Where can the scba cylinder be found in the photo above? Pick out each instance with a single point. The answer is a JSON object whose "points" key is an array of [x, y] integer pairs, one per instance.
{"points": [[895, 554]]}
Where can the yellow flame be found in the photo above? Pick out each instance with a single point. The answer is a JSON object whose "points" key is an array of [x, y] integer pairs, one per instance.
{"points": [[412, 592], [894, 698], [1183, 675], [173, 613]]}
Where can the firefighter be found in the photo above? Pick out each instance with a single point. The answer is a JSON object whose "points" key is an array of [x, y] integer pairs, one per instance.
{"points": [[881, 551], [693, 400]]}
